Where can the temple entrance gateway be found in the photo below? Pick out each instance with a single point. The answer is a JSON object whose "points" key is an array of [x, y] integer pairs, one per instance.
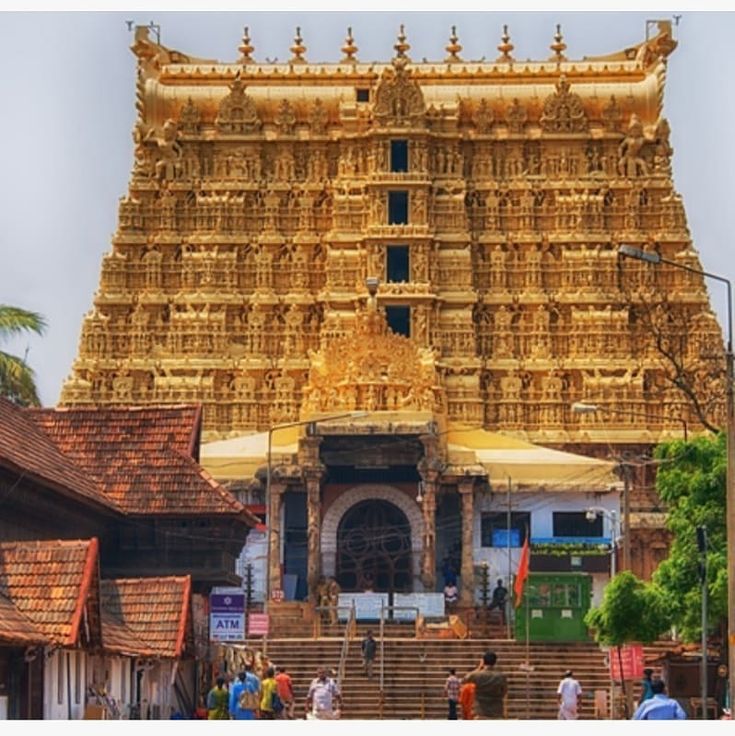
{"points": [[374, 548]]}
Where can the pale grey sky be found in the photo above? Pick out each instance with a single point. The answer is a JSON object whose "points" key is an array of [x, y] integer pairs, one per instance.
{"points": [[67, 89]]}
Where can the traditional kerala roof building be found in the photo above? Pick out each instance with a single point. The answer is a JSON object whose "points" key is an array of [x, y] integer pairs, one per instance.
{"points": [[432, 243], [126, 476], [69, 638]]}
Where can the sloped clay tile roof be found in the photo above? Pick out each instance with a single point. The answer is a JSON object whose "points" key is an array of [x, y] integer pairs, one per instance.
{"points": [[141, 457], [146, 616], [15, 627], [48, 583], [27, 449]]}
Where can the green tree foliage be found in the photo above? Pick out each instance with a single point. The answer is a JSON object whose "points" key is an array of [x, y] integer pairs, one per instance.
{"points": [[691, 480], [16, 376], [631, 611]]}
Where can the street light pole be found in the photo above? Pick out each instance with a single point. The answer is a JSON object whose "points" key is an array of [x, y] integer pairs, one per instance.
{"points": [[614, 533], [656, 258], [582, 408], [268, 476]]}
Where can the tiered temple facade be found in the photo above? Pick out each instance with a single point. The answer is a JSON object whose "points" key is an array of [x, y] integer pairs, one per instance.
{"points": [[488, 200]]}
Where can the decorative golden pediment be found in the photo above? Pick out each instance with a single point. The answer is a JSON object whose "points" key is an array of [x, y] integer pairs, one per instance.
{"points": [[372, 369], [190, 118], [399, 101], [563, 111], [237, 112]]}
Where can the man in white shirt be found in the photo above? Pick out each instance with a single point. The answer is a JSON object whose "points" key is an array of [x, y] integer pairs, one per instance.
{"points": [[568, 691], [322, 697]]}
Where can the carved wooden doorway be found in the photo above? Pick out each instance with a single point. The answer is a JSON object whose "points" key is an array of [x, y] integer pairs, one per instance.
{"points": [[374, 549]]}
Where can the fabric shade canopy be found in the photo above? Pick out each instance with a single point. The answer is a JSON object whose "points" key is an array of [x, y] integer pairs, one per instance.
{"points": [[527, 465]]}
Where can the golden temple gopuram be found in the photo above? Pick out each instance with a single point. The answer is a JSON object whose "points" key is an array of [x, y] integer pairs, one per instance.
{"points": [[434, 244]]}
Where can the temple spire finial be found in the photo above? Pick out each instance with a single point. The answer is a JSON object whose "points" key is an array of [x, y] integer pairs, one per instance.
{"points": [[505, 47], [401, 46], [453, 48], [246, 48], [298, 49], [349, 49], [558, 46]]}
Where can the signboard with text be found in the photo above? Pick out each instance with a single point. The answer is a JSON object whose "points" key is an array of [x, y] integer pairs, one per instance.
{"points": [[430, 605], [258, 624], [227, 617], [630, 659], [367, 605]]}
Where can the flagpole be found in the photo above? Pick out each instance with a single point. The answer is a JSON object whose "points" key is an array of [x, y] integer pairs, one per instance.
{"points": [[510, 562], [528, 661]]}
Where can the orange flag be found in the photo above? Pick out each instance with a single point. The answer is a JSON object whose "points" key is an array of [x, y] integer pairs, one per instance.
{"points": [[522, 573]]}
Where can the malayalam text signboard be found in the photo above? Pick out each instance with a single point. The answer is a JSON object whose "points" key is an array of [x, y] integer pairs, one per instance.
{"points": [[258, 624], [227, 617], [367, 605], [430, 605]]}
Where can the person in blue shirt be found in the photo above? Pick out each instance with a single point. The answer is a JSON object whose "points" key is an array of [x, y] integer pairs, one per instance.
{"points": [[660, 707], [646, 684], [245, 695]]}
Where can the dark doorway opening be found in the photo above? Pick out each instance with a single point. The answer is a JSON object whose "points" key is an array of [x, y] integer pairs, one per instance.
{"points": [[399, 319], [398, 208], [397, 263], [374, 549], [399, 156]]}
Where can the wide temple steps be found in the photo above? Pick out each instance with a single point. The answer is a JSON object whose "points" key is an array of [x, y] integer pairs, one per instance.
{"points": [[414, 672]]}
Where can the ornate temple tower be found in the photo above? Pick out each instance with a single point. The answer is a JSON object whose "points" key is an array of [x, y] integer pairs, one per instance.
{"points": [[488, 198]]}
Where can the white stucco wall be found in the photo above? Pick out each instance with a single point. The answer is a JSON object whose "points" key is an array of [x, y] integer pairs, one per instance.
{"points": [[63, 685], [541, 506]]}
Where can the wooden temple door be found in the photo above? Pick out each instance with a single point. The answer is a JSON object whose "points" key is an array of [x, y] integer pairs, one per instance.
{"points": [[374, 549]]}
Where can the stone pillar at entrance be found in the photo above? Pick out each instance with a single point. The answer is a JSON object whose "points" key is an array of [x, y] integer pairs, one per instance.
{"points": [[313, 480], [274, 535], [467, 575], [428, 548]]}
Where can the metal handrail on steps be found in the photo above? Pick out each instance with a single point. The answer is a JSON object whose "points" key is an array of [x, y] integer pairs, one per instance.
{"points": [[383, 609], [349, 631], [330, 610]]}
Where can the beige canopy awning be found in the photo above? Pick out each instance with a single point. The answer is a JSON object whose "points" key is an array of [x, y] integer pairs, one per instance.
{"points": [[526, 465], [240, 457]]}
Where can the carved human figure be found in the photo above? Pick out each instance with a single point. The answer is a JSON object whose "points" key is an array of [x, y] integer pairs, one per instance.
{"points": [[630, 159], [168, 163]]}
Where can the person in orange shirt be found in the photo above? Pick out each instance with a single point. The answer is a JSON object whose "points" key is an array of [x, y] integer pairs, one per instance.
{"points": [[285, 691], [467, 700]]}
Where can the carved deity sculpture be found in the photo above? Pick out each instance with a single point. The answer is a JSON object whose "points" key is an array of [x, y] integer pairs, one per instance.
{"points": [[630, 152], [169, 152]]}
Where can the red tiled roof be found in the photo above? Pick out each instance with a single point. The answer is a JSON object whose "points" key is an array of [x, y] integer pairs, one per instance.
{"points": [[48, 582], [16, 627], [141, 457], [26, 449], [146, 616]]}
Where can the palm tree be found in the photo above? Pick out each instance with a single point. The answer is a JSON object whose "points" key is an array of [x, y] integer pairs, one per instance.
{"points": [[16, 376]]}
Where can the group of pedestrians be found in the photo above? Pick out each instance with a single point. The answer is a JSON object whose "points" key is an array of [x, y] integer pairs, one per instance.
{"points": [[272, 698], [249, 697], [481, 695]]}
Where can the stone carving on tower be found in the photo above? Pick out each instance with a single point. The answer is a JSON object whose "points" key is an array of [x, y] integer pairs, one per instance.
{"points": [[237, 113], [489, 198], [399, 101]]}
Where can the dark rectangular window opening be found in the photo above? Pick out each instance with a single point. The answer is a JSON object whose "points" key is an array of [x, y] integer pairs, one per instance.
{"points": [[399, 156], [398, 208], [399, 320], [576, 524], [397, 264], [494, 528], [363, 95]]}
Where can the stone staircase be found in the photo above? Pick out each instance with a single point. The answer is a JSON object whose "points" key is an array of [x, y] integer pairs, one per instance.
{"points": [[414, 669]]}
